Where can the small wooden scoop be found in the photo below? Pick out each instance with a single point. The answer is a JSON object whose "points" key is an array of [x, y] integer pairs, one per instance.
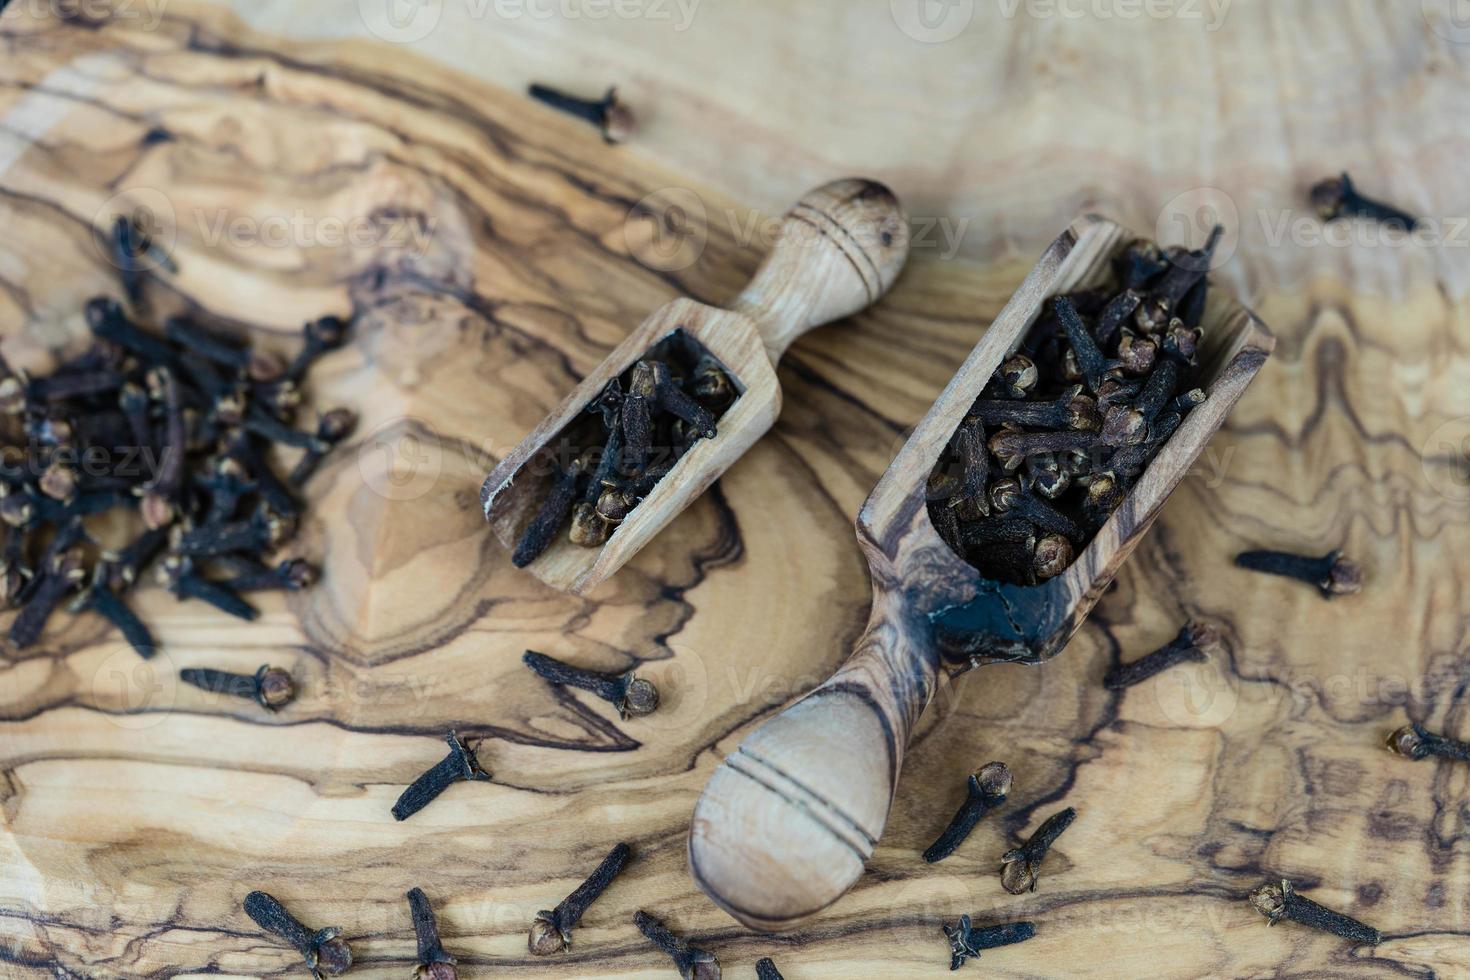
{"points": [[838, 251], [789, 819]]}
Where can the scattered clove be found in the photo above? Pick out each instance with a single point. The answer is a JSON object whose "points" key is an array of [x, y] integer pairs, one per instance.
{"points": [[692, 962], [966, 942], [459, 764], [551, 932], [325, 952], [1333, 574], [270, 687], [633, 696], [1338, 197], [1192, 645], [609, 114], [1277, 902], [1022, 865], [434, 963], [765, 969], [986, 789], [1417, 742]]}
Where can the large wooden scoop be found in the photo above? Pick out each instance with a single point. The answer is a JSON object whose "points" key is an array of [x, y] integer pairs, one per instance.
{"points": [[789, 819], [837, 252]]}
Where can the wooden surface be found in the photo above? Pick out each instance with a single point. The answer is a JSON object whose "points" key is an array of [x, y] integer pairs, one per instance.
{"points": [[137, 815]]}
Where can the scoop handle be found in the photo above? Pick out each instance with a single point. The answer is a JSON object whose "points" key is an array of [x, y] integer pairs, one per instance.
{"points": [[837, 252], [789, 819]]}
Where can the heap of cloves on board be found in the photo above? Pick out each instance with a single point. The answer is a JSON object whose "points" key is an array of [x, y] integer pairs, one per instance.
{"points": [[155, 446], [1071, 420], [642, 424]]}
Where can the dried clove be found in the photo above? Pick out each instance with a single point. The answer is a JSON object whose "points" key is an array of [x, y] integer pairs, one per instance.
{"points": [[1277, 902], [1338, 197], [986, 789], [178, 576], [1333, 574], [692, 962], [319, 336], [270, 687], [553, 513], [609, 114], [966, 942], [765, 969], [1054, 555], [1023, 864], [291, 575], [325, 952], [255, 364], [1192, 645], [434, 963], [1018, 376], [332, 428], [1140, 263], [1417, 742], [1073, 410], [1012, 448], [101, 599], [551, 932], [58, 576], [459, 764], [1089, 355], [633, 696]]}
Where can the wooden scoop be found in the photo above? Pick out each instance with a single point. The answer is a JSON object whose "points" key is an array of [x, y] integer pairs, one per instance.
{"points": [[789, 819], [838, 251]]}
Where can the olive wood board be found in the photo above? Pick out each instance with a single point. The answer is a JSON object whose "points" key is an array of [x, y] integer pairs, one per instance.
{"points": [[135, 815]]}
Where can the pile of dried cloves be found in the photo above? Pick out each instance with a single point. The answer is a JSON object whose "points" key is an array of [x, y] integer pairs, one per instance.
{"points": [[162, 443], [641, 425], [1068, 424]]}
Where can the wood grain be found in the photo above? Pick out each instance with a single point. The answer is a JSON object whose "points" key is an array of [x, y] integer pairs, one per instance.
{"points": [[136, 818]]}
